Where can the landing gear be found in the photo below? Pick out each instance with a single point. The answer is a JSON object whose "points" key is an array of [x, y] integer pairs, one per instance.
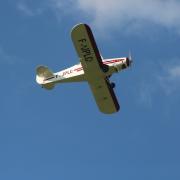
{"points": [[105, 68], [113, 85], [116, 69]]}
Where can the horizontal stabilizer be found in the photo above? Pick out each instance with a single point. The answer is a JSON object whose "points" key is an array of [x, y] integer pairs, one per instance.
{"points": [[42, 74]]}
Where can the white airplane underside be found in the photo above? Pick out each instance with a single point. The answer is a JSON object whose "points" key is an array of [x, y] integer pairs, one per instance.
{"points": [[92, 68]]}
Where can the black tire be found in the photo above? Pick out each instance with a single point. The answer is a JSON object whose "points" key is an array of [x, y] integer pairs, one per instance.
{"points": [[113, 85]]}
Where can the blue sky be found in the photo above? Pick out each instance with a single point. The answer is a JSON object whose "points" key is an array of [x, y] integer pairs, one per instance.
{"points": [[60, 134]]}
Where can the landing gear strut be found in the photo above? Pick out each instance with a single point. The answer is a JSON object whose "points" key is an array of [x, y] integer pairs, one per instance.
{"points": [[111, 84]]}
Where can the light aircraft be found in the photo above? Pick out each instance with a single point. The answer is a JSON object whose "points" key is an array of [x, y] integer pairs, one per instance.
{"points": [[92, 68]]}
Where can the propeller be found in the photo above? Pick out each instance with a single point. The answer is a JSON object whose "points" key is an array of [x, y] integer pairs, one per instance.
{"points": [[130, 58]]}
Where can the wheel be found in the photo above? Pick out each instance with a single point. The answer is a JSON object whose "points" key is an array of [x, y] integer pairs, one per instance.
{"points": [[113, 85], [105, 68]]}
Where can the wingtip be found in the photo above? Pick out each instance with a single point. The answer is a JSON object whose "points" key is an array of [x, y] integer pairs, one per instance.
{"points": [[79, 25]]}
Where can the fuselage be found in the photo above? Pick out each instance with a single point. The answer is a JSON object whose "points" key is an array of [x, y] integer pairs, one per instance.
{"points": [[76, 72]]}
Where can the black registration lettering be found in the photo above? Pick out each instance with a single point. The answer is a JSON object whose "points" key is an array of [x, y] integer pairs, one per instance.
{"points": [[85, 50], [82, 40]]}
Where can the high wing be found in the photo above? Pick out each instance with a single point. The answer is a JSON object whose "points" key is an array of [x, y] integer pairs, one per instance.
{"points": [[94, 69]]}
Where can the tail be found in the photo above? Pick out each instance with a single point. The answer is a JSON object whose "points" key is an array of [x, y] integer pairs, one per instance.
{"points": [[42, 74]]}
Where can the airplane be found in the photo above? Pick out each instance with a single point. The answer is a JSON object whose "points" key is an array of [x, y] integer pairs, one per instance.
{"points": [[92, 68]]}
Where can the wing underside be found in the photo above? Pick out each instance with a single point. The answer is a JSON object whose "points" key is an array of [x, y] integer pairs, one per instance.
{"points": [[104, 96], [94, 69]]}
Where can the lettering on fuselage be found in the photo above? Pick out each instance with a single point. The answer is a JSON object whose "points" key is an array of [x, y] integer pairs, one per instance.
{"points": [[67, 72], [85, 50]]}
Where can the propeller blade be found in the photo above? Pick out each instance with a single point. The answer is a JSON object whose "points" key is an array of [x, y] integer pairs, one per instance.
{"points": [[130, 58]]}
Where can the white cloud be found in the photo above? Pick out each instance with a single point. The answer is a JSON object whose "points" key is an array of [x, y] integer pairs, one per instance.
{"points": [[174, 72], [129, 14], [126, 13], [170, 79], [27, 10], [164, 81], [122, 15], [62, 7]]}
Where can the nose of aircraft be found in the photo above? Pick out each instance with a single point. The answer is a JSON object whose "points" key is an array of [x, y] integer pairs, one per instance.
{"points": [[129, 60]]}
